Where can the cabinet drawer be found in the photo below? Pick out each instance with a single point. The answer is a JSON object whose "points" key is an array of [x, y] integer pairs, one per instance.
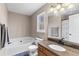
{"points": [[47, 52]]}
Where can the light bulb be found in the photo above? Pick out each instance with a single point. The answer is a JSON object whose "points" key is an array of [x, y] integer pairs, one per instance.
{"points": [[55, 11], [51, 9], [62, 9], [58, 7]]}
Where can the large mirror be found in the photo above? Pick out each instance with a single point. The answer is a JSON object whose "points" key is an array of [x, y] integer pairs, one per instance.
{"points": [[64, 24]]}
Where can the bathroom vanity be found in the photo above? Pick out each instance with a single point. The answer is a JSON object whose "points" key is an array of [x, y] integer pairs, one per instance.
{"points": [[58, 26], [45, 50]]}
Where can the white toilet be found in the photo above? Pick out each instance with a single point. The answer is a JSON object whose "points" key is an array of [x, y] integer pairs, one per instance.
{"points": [[33, 48]]}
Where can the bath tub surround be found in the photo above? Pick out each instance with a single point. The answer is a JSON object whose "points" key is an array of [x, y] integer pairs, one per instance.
{"points": [[17, 45]]}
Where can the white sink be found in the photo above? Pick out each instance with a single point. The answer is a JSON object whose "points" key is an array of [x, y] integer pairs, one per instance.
{"points": [[57, 47]]}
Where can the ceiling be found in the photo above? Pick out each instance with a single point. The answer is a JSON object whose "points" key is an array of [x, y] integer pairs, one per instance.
{"points": [[24, 8], [30, 8]]}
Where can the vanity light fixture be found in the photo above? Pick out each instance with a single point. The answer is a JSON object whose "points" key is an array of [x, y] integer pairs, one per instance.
{"points": [[60, 7]]}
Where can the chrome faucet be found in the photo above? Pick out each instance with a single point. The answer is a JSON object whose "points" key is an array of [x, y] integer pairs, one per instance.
{"points": [[61, 41]]}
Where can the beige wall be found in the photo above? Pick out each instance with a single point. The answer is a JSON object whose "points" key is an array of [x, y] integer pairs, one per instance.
{"points": [[3, 13], [18, 25]]}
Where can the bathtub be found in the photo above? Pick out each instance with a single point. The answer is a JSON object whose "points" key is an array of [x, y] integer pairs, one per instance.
{"points": [[18, 45]]}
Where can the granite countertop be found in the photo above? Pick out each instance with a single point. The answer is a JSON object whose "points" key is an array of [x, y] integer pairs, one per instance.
{"points": [[69, 50]]}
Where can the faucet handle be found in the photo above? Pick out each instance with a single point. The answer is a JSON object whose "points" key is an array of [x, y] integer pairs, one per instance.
{"points": [[61, 41], [62, 38]]}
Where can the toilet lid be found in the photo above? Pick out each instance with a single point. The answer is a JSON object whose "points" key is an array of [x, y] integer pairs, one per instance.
{"points": [[32, 47]]}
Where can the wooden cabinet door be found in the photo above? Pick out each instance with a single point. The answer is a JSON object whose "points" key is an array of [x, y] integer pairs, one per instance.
{"points": [[42, 51], [41, 54]]}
